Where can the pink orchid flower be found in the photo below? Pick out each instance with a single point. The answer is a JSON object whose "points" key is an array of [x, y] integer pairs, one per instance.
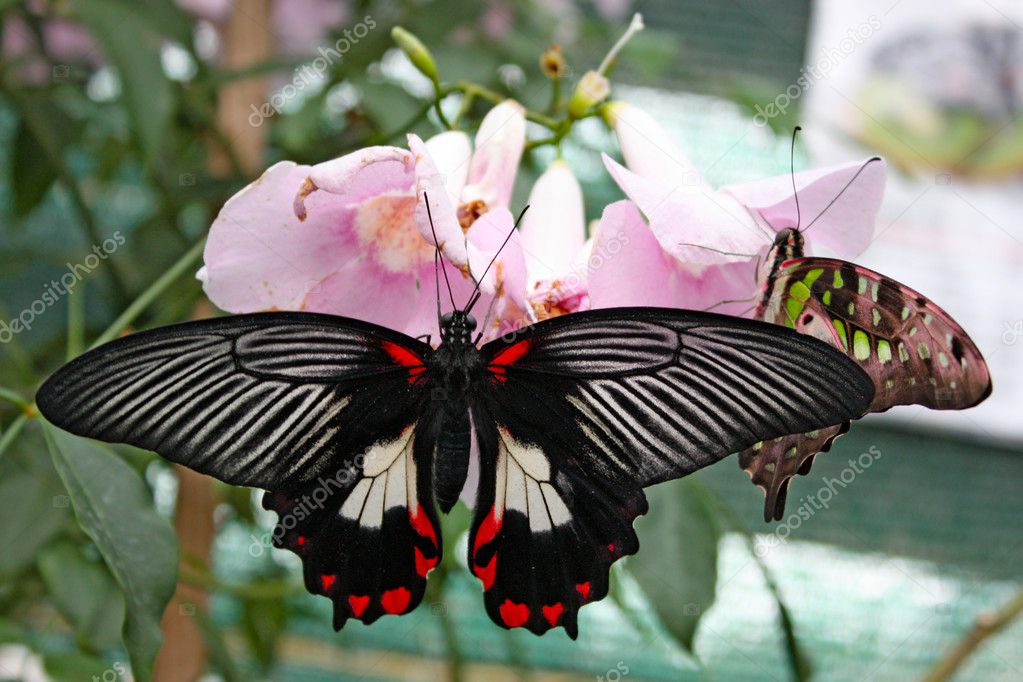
{"points": [[553, 235], [706, 240], [352, 237]]}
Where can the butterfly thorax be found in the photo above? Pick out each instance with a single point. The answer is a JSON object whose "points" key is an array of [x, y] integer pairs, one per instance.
{"points": [[457, 365], [788, 245]]}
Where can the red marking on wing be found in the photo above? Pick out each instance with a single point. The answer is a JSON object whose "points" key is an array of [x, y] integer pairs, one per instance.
{"points": [[421, 523], [301, 540], [406, 358], [487, 531], [553, 613], [396, 600], [584, 590], [611, 548], [358, 604], [486, 573], [514, 615], [507, 357], [423, 565], [327, 581]]}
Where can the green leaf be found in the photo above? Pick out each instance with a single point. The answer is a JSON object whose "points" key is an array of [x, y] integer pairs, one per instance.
{"points": [[32, 174], [35, 510], [678, 570], [84, 592], [72, 666], [128, 38], [11, 632], [114, 508], [263, 622]]}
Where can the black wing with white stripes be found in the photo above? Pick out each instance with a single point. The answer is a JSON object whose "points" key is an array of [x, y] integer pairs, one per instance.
{"points": [[579, 413], [330, 414]]}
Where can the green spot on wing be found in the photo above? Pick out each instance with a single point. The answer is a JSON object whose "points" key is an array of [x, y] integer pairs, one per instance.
{"points": [[793, 307], [812, 276], [840, 330], [884, 351], [861, 345], [799, 291], [826, 297], [837, 282]]}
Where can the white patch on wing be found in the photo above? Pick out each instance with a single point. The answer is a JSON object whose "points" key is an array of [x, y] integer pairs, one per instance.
{"points": [[380, 456], [531, 458], [389, 480], [352, 507], [523, 484], [560, 515], [373, 511], [515, 497], [539, 521]]}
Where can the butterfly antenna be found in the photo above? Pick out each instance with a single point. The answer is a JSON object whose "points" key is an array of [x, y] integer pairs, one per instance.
{"points": [[792, 175], [437, 263], [847, 185], [476, 293]]}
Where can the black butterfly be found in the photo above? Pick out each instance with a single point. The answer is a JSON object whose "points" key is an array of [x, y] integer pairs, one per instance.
{"points": [[360, 432]]}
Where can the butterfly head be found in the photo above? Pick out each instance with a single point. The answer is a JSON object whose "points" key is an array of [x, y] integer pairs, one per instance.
{"points": [[457, 326], [789, 243]]}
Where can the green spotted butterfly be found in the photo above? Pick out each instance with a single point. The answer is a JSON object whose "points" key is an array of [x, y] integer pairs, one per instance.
{"points": [[913, 350]]}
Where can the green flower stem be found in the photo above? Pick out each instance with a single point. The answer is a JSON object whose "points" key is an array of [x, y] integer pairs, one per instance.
{"points": [[11, 434], [555, 103], [405, 127], [494, 97], [986, 625], [275, 589], [76, 322], [136, 308], [467, 102], [13, 398]]}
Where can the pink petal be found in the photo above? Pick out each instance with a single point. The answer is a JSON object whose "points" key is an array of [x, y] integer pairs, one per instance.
{"points": [[449, 234], [553, 229], [499, 143], [692, 223], [508, 275], [451, 152], [260, 256], [628, 267], [846, 227], [303, 25], [395, 300], [648, 149], [359, 175]]}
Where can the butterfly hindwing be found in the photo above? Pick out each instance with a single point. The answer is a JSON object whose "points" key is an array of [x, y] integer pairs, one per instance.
{"points": [[330, 415], [914, 352], [581, 412], [368, 535]]}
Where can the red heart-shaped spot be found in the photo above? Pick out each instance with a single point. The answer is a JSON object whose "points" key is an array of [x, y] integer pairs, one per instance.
{"points": [[358, 604], [327, 581], [584, 590], [396, 600], [514, 614], [553, 613]]}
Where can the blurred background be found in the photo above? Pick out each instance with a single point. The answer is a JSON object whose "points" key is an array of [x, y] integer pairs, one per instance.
{"points": [[129, 123]]}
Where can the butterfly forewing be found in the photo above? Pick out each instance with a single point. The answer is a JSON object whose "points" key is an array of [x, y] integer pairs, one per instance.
{"points": [[330, 415], [914, 352]]}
